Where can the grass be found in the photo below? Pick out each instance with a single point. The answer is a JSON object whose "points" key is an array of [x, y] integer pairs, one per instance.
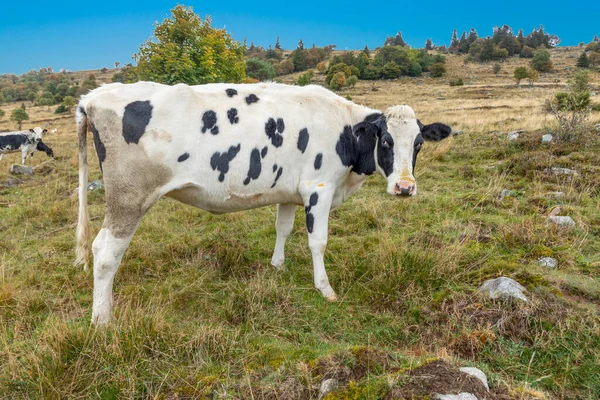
{"points": [[199, 312]]}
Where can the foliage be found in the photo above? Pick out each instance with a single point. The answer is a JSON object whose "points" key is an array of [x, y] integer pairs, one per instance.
{"points": [[456, 82], [352, 80], [497, 67], [391, 70], [304, 59], [2, 113], [69, 102], [285, 67], [19, 115], [395, 40], [61, 109], [532, 76], [583, 61], [526, 52], [185, 49], [571, 108], [322, 66], [541, 61], [437, 70], [336, 68], [338, 81], [520, 74], [259, 69], [429, 44], [594, 59], [305, 78]]}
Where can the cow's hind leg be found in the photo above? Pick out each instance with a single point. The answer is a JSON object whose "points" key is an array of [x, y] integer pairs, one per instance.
{"points": [[284, 225]]}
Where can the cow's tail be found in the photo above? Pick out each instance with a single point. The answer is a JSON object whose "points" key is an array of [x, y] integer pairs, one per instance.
{"points": [[84, 235]]}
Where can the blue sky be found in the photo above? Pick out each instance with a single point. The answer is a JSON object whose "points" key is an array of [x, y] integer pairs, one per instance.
{"points": [[80, 35]]}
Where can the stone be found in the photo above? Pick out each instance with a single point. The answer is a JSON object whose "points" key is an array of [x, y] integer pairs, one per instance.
{"points": [[557, 194], [460, 396], [17, 169], [598, 127], [503, 288], [95, 185], [547, 138], [561, 171], [555, 211], [477, 373], [504, 193], [561, 220], [327, 386], [513, 136], [548, 262], [458, 132]]}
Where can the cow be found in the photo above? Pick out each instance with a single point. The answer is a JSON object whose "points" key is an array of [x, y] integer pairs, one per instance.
{"points": [[24, 141], [53, 131], [233, 147]]}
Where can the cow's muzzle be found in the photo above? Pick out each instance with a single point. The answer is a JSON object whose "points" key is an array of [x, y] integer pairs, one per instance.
{"points": [[404, 188]]}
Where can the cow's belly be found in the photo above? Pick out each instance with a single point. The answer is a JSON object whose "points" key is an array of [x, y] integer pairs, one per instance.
{"points": [[220, 202]]}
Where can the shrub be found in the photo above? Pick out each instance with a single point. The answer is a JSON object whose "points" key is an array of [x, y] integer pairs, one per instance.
{"points": [[541, 61], [322, 66], [594, 59], [532, 76], [352, 80], [456, 82], [259, 69], [334, 69], [583, 61], [371, 72], [497, 68], [338, 81], [61, 109], [284, 67], [305, 78], [437, 70], [391, 70], [2, 114], [526, 52], [416, 69], [19, 115], [520, 74]]}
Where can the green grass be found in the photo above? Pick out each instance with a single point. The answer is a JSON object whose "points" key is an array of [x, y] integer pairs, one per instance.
{"points": [[199, 312]]}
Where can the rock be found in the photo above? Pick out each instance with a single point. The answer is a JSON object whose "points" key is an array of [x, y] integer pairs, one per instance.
{"points": [[562, 221], [17, 169], [10, 182], [555, 211], [598, 127], [561, 171], [548, 262], [460, 396], [327, 386], [477, 373], [503, 288], [558, 194], [458, 132], [504, 193], [547, 138], [513, 136], [95, 185]]}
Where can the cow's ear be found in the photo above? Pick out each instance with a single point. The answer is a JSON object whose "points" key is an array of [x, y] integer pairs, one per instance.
{"points": [[421, 126], [32, 131], [365, 128], [45, 131], [436, 132]]}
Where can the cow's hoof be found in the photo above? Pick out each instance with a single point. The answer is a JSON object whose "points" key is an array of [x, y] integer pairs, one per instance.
{"points": [[278, 264], [329, 293]]}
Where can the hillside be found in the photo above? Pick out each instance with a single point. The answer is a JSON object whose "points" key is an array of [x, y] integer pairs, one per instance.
{"points": [[200, 313]]}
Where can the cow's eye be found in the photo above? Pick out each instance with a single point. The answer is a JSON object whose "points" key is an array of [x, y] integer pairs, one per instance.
{"points": [[385, 144]]}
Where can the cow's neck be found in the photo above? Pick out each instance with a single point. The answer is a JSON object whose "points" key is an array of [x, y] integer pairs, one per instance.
{"points": [[363, 159]]}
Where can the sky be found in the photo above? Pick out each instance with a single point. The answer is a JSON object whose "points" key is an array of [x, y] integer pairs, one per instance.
{"points": [[80, 35]]}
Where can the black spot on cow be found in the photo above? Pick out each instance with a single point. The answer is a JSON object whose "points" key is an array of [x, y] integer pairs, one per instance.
{"points": [[136, 118], [183, 157], [274, 167], [263, 152], [41, 146], [98, 145], [220, 161], [231, 92], [318, 161], [255, 166], [12, 142], [82, 110], [310, 218], [274, 130], [232, 114], [436, 131], [417, 147], [279, 172], [303, 140], [209, 122], [252, 99]]}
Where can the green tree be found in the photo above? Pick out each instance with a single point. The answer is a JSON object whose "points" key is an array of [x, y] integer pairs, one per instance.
{"points": [[185, 49], [352, 80], [520, 74], [338, 81], [391, 70], [583, 61], [19, 115], [69, 102], [497, 68], [259, 69], [541, 61], [429, 44], [305, 78], [532, 76]]}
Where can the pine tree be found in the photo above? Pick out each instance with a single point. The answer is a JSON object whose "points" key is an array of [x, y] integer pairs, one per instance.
{"points": [[583, 61], [463, 45], [277, 44], [596, 39], [367, 51], [300, 45], [429, 44], [399, 41], [245, 43], [454, 42]]}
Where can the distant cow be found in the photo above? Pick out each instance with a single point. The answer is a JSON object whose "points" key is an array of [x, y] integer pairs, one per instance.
{"points": [[224, 148], [55, 130], [24, 141]]}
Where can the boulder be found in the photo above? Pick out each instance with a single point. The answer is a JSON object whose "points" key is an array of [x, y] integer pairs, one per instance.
{"points": [[513, 136], [547, 138], [562, 220], [17, 169], [504, 193], [327, 386], [548, 262], [477, 373], [460, 396], [503, 288], [561, 171]]}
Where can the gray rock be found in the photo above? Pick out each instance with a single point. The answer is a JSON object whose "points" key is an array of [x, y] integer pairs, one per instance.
{"points": [[548, 262], [561, 220], [504, 193], [561, 171], [327, 386], [503, 288], [513, 136], [95, 185], [547, 138], [17, 169], [477, 373], [558, 194], [458, 132], [460, 396]]}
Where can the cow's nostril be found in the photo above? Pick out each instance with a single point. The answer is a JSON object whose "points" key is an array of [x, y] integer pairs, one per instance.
{"points": [[401, 190]]}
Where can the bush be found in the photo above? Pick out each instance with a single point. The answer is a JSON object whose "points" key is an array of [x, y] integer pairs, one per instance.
{"points": [[61, 109], [594, 59], [284, 67], [497, 68], [583, 61], [259, 69], [416, 69], [352, 80], [305, 78], [322, 66], [541, 61], [338, 81], [456, 82], [520, 74], [334, 69], [2, 114], [437, 70], [391, 70], [526, 52]]}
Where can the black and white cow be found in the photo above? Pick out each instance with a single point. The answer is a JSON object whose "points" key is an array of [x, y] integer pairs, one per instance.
{"points": [[226, 147], [24, 141]]}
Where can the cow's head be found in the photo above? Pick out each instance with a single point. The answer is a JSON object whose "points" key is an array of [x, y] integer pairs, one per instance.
{"points": [[38, 132], [400, 137]]}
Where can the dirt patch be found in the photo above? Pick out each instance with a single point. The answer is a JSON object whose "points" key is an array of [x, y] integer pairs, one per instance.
{"points": [[354, 364], [10, 182], [439, 377]]}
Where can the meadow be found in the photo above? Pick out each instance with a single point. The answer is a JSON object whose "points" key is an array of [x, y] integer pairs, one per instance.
{"points": [[201, 313]]}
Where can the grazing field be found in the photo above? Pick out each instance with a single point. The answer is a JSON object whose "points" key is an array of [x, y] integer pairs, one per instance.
{"points": [[200, 313]]}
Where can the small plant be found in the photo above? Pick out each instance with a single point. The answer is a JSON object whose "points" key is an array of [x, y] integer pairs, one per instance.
{"points": [[583, 61], [520, 74], [532, 76], [437, 70], [2, 114], [351, 81], [541, 61], [305, 78], [322, 67], [338, 81], [497, 68], [456, 82]]}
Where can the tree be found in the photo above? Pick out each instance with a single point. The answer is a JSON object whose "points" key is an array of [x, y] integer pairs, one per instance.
{"points": [[366, 51], [497, 68], [541, 61], [429, 44], [571, 108], [300, 45], [395, 41], [277, 44], [69, 102], [19, 115], [352, 80], [583, 61], [391, 70], [532, 76], [117, 64], [520, 74], [338, 81], [305, 78], [259, 69], [454, 40], [185, 49]]}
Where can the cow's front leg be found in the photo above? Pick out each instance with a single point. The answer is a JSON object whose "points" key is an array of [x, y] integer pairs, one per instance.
{"points": [[317, 205], [284, 225], [24, 152]]}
